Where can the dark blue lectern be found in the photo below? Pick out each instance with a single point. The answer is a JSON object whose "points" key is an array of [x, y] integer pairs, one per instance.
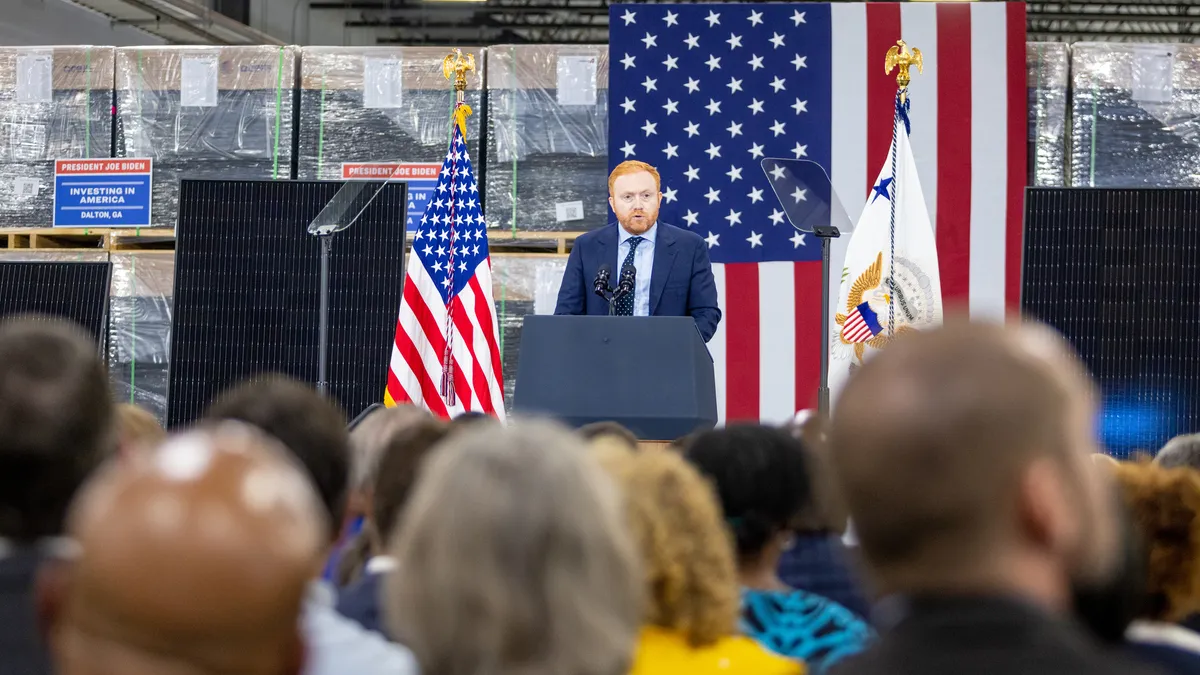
{"points": [[652, 374]]}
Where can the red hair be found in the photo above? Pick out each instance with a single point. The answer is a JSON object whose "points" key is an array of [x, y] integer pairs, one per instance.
{"points": [[632, 166]]}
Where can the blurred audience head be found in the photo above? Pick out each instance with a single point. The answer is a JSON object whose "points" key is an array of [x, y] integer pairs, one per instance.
{"points": [[56, 423], [608, 432], [404, 452], [309, 425], [964, 455], [368, 440], [1165, 508], [763, 484], [515, 560], [1181, 451], [191, 559], [472, 419], [687, 553], [138, 430], [1107, 606], [825, 512]]}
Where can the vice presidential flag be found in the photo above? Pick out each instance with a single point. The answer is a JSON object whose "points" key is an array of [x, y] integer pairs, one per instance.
{"points": [[448, 301], [705, 91], [890, 281]]}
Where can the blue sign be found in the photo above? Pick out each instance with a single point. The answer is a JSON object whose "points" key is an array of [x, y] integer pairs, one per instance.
{"points": [[102, 192]]}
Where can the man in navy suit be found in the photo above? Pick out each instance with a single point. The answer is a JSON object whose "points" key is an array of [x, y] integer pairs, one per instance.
{"points": [[670, 265]]}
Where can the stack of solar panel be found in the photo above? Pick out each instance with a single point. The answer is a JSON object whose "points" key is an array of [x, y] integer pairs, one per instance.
{"points": [[75, 290], [205, 112], [55, 103], [1135, 115], [547, 150], [1047, 69], [139, 329], [522, 285]]}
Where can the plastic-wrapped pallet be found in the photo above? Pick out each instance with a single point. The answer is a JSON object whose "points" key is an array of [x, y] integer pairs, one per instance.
{"points": [[547, 149], [365, 109], [55, 103], [1135, 115], [139, 333], [205, 112], [522, 285], [1047, 67]]}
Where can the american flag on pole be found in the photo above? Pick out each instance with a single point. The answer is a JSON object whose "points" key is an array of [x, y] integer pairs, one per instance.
{"points": [[448, 301], [704, 92]]}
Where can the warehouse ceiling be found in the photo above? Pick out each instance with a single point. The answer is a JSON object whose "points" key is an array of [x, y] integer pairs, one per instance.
{"points": [[179, 21]]}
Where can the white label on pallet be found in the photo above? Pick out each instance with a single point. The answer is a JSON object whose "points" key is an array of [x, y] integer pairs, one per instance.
{"points": [[35, 78], [576, 80], [1152, 75], [26, 188], [382, 83], [198, 78], [565, 211]]}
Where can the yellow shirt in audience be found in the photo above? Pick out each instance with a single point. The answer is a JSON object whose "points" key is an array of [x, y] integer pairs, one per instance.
{"points": [[664, 652]]}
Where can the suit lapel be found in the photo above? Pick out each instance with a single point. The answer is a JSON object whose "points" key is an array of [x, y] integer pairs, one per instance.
{"points": [[664, 257]]}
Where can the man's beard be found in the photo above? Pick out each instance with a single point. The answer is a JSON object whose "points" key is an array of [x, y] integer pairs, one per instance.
{"points": [[633, 225]]}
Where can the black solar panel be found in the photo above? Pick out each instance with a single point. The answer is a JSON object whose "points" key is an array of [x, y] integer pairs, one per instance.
{"points": [[247, 291], [71, 290], [1117, 271]]}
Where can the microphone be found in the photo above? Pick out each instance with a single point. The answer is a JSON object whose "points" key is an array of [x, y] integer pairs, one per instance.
{"points": [[600, 284], [625, 285]]}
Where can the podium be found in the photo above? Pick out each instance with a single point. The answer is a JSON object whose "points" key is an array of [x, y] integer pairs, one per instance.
{"points": [[653, 374]]}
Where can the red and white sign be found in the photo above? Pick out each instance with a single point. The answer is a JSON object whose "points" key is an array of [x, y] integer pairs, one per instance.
{"points": [[390, 170], [75, 167]]}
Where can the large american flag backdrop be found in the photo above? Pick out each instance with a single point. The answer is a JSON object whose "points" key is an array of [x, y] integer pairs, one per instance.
{"points": [[704, 92], [449, 277]]}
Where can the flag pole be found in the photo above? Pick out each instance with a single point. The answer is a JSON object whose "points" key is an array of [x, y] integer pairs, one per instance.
{"points": [[902, 58], [457, 65]]}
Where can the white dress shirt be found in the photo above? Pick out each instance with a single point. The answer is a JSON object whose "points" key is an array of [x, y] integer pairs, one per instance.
{"points": [[643, 262], [338, 646]]}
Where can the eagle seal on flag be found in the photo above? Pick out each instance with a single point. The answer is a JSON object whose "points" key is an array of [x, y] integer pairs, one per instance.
{"points": [[865, 321]]}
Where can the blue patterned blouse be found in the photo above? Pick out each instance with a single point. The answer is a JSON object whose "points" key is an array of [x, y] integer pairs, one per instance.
{"points": [[801, 625]]}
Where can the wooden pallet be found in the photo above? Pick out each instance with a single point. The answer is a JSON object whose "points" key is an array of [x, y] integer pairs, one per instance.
{"points": [[85, 239]]}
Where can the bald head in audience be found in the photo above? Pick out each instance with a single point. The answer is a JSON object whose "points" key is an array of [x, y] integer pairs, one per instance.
{"points": [[193, 560], [963, 453]]}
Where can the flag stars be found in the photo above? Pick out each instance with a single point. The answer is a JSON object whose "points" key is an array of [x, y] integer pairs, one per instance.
{"points": [[628, 105], [714, 151], [693, 85], [692, 129], [756, 151], [800, 62], [777, 173], [800, 151], [671, 151], [671, 106], [692, 173], [777, 128], [755, 18], [778, 84], [650, 128], [713, 62], [446, 282], [669, 195], [735, 85], [777, 40], [672, 18], [776, 217], [691, 218], [755, 195], [797, 240], [629, 17], [755, 62], [734, 41], [428, 250], [628, 61], [756, 106], [800, 195], [650, 40], [712, 196], [714, 106], [441, 251], [713, 19], [755, 240], [692, 41], [734, 129], [800, 106], [650, 84], [437, 266], [798, 17], [628, 148], [712, 239], [734, 173], [734, 217], [671, 63], [462, 266]]}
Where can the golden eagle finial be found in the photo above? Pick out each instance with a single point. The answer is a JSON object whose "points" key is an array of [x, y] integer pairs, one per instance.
{"points": [[902, 57], [456, 66]]}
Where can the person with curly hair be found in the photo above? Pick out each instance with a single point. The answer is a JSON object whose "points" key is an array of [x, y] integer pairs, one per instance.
{"points": [[762, 478], [1165, 505], [690, 574]]}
